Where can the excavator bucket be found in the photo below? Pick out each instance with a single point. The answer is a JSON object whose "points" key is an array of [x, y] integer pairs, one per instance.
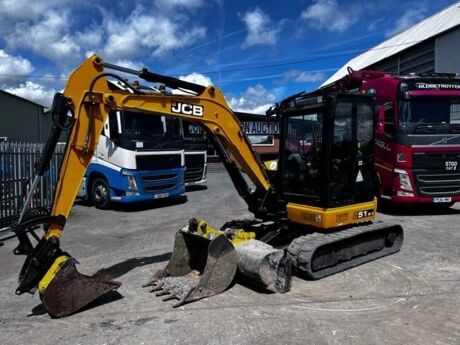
{"points": [[198, 268], [64, 290], [205, 261]]}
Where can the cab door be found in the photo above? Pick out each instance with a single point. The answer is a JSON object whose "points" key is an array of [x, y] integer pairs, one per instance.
{"points": [[352, 176]]}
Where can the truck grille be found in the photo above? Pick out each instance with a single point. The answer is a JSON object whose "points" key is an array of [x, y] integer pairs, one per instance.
{"points": [[158, 162], [152, 178], [194, 164], [434, 160], [162, 187], [159, 182], [437, 184]]}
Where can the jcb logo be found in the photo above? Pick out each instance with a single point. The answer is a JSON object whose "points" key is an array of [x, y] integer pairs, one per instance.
{"points": [[187, 109]]}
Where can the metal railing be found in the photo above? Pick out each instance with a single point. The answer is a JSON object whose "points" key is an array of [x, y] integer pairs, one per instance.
{"points": [[17, 160]]}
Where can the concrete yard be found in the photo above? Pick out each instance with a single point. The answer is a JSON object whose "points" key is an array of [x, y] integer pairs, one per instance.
{"points": [[412, 297]]}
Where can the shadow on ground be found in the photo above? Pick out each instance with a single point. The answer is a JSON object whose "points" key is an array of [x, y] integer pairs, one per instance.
{"points": [[109, 297], [141, 206], [195, 188], [124, 267], [113, 271], [416, 210]]}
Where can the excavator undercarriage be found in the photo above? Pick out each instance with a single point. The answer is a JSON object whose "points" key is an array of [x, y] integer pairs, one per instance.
{"points": [[313, 216]]}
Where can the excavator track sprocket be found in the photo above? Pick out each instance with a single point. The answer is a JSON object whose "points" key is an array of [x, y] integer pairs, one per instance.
{"points": [[319, 255]]}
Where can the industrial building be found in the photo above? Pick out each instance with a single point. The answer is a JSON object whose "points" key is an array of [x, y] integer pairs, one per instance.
{"points": [[432, 45], [263, 133], [21, 119]]}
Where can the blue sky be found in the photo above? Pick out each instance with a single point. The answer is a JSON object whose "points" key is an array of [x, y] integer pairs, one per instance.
{"points": [[257, 52]]}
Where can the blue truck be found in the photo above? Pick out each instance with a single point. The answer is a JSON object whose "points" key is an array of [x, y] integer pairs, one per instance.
{"points": [[139, 157]]}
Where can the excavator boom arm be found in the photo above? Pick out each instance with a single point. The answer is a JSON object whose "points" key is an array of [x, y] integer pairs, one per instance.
{"points": [[91, 100]]}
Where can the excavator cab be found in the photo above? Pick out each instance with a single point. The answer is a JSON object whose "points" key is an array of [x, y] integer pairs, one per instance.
{"points": [[326, 178], [326, 151]]}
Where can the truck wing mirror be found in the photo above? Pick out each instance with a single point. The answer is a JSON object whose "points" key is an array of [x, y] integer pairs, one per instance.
{"points": [[381, 119]]}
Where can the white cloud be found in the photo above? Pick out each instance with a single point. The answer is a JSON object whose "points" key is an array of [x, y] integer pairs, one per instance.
{"points": [[408, 19], [13, 65], [140, 33], [256, 99], [298, 76], [260, 28], [326, 14], [47, 37], [90, 38], [197, 78], [34, 92], [26, 9], [136, 65]]}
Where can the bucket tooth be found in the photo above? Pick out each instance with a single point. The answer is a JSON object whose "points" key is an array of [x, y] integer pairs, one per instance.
{"points": [[170, 298], [69, 291], [150, 283], [156, 288], [162, 293]]}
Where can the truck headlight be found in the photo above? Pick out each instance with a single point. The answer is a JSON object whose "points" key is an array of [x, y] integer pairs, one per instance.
{"points": [[132, 184], [404, 180]]}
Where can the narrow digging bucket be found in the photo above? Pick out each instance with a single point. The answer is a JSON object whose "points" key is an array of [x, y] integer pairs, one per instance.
{"points": [[69, 291], [198, 268]]}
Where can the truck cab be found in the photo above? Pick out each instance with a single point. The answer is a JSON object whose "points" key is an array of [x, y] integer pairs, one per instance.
{"points": [[195, 149], [417, 137], [139, 157]]}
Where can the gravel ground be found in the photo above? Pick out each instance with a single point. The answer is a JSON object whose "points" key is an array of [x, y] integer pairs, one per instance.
{"points": [[412, 297]]}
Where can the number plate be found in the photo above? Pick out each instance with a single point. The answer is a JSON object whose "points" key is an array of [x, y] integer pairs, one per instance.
{"points": [[451, 165], [161, 195], [443, 199]]}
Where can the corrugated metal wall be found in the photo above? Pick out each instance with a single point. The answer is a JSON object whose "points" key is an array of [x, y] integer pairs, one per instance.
{"points": [[418, 59], [440, 54], [19, 119], [448, 52], [23, 120]]}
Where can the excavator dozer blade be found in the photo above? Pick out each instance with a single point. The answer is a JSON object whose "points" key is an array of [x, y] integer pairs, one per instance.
{"points": [[198, 268], [68, 291]]}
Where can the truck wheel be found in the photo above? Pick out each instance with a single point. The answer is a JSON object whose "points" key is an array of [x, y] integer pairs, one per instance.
{"points": [[100, 193]]}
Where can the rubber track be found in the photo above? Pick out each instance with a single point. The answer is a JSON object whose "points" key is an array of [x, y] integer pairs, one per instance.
{"points": [[302, 249]]}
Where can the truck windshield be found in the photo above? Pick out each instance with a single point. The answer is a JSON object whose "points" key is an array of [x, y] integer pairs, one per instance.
{"points": [[140, 125], [193, 131], [440, 111], [194, 137]]}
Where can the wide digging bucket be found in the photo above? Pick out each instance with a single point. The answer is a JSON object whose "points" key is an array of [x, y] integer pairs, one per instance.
{"points": [[69, 291], [198, 268]]}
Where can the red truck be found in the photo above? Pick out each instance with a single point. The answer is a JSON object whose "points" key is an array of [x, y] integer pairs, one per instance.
{"points": [[417, 139]]}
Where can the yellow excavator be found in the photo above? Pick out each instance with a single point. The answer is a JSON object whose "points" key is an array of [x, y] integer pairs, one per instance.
{"points": [[313, 216]]}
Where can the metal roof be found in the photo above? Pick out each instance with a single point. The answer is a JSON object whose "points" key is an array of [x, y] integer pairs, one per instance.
{"points": [[432, 26], [22, 99]]}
